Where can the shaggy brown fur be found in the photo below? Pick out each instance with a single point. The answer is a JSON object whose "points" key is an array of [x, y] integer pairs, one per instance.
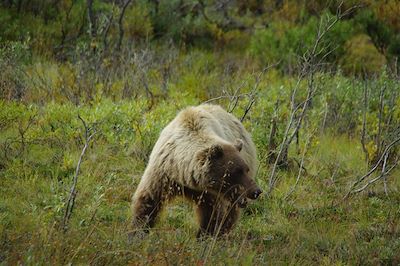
{"points": [[206, 156]]}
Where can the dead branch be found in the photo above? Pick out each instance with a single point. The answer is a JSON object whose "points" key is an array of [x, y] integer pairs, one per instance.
{"points": [[89, 133], [309, 67], [253, 93], [234, 100], [363, 131], [285, 143], [236, 96], [22, 131], [92, 19], [384, 174], [110, 20], [121, 27], [301, 168], [379, 141], [231, 98], [325, 117], [383, 158], [64, 32], [252, 99], [271, 139]]}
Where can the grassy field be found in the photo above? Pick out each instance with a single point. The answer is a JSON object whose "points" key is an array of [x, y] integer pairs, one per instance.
{"points": [[316, 83], [308, 223]]}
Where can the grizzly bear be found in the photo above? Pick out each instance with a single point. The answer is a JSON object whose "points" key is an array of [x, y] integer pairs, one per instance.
{"points": [[207, 156]]}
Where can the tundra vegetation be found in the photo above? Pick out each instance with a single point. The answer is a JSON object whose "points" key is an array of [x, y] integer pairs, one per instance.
{"points": [[87, 86]]}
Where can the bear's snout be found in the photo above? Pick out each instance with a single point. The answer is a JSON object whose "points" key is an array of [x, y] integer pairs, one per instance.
{"points": [[257, 193], [253, 191], [254, 194]]}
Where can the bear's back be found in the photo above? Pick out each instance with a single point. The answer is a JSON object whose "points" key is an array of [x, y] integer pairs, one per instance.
{"points": [[208, 119], [197, 128]]}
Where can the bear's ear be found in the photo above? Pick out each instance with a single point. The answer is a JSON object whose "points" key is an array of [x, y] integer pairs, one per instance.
{"points": [[239, 144], [214, 152]]}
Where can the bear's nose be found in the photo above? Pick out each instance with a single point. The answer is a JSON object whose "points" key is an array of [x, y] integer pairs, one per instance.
{"points": [[257, 193]]}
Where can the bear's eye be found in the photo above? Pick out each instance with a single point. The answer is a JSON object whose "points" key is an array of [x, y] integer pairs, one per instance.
{"points": [[239, 171]]}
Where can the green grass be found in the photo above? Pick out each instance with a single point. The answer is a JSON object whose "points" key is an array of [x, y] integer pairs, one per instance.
{"points": [[312, 226], [54, 67]]}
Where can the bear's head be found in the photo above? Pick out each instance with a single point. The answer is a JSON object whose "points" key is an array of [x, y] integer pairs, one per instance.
{"points": [[228, 173]]}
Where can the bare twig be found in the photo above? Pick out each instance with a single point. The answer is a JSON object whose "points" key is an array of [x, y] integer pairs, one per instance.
{"points": [[22, 131], [234, 100], [379, 141], [383, 174], [64, 32], [363, 131], [253, 93], [252, 99], [309, 67], [301, 167], [230, 97], [383, 158], [272, 134], [236, 96], [325, 117], [106, 31], [121, 27], [92, 19], [72, 195], [143, 61], [285, 143]]}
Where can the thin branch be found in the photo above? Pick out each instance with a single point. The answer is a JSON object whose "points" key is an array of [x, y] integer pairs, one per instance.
{"points": [[22, 131], [253, 93], [380, 119], [301, 167], [235, 97], [92, 19], [373, 169], [121, 27], [110, 20], [382, 175], [242, 95], [234, 100], [73, 192], [363, 131], [308, 70]]}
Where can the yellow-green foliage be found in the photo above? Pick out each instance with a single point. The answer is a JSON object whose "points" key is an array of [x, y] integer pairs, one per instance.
{"points": [[362, 57], [310, 226], [54, 68], [137, 22]]}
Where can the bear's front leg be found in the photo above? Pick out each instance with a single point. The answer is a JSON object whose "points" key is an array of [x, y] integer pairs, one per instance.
{"points": [[216, 216], [145, 208]]}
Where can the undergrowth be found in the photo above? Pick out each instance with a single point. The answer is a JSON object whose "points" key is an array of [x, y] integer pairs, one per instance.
{"points": [[40, 147]]}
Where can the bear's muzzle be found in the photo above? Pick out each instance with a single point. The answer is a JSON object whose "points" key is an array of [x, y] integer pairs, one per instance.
{"points": [[253, 191], [254, 194]]}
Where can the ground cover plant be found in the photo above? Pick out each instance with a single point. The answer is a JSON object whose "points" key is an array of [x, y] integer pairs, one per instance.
{"points": [[87, 86]]}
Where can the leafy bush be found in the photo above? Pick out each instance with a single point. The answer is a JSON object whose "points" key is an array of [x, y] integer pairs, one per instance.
{"points": [[53, 67], [285, 42], [14, 56], [137, 22], [181, 22], [385, 39], [362, 57]]}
